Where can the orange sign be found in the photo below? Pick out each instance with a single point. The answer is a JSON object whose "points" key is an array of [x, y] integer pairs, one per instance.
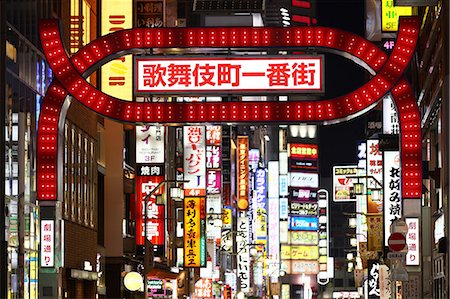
{"points": [[192, 232], [300, 150], [242, 156]]}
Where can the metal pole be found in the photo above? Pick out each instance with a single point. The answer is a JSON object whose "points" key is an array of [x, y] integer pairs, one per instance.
{"points": [[3, 100]]}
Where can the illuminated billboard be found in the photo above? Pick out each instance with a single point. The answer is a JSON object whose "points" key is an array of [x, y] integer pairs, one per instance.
{"points": [[194, 160], [304, 223], [206, 74], [117, 75], [343, 183], [242, 173], [194, 234], [390, 14]]}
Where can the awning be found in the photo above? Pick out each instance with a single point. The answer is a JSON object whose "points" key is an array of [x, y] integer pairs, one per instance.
{"points": [[161, 272]]}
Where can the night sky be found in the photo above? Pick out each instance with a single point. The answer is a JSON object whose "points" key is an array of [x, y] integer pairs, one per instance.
{"points": [[337, 145]]}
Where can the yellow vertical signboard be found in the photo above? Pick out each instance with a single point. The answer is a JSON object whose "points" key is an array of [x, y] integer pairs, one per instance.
{"points": [[192, 232], [117, 75], [391, 13]]}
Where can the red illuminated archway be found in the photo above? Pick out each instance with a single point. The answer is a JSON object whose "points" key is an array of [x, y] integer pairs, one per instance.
{"points": [[70, 72]]}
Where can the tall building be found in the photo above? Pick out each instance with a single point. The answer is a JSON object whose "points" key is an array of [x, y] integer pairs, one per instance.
{"points": [[431, 73], [24, 80]]}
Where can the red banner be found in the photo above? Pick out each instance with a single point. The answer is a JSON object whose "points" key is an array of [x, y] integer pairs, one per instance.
{"points": [[155, 213]]}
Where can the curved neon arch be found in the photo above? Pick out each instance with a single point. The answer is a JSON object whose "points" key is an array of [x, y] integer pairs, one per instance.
{"points": [[69, 79]]}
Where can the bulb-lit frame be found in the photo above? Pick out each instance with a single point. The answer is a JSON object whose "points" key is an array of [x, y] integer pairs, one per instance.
{"points": [[69, 79]]}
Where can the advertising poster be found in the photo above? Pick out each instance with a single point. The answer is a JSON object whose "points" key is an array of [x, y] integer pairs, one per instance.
{"points": [[343, 183]]}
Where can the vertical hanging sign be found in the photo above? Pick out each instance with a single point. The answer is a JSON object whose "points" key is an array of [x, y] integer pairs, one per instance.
{"points": [[47, 243], [243, 258], [242, 164], [117, 75], [391, 191], [193, 232], [412, 241], [149, 144], [194, 160], [374, 164], [155, 212], [322, 277], [261, 210], [373, 279]]}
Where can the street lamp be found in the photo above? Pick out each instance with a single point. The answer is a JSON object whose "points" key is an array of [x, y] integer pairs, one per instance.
{"points": [[147, 243]]}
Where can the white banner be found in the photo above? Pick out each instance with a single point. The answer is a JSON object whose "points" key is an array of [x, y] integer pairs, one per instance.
{"points": [[47, 243], [242, 241], [274, 232], [374, 164], [413, 242], [162, 75], [272, 180], [194, 160], [391, 191], [149, 144], [303, 179]]}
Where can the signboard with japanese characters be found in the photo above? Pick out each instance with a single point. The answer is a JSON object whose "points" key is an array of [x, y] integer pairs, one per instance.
{"points": [[300, 267], [303, 208], [284, 211], [149, 144], [214, 212], [226, 243], [260, 204], [242, 172], [213, 181], [304, 237], [291, 252], [322, 277], [343, 183], [149, 13], [303, 179], [213, 157], [302, 165], [303, 151], [390, 119], [391, 191], [413, 242], [385, 282], [390, 14], [193, 75], [204, 288], [155, 212], [374, 164], [274, 232], [213, 135], [150, 169], [373, 279], [303, 194], [375, 232], [243, 258], [303, 223], [284, 189], [194, 160], [47, 243], [194, 239], [156, 287]]}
